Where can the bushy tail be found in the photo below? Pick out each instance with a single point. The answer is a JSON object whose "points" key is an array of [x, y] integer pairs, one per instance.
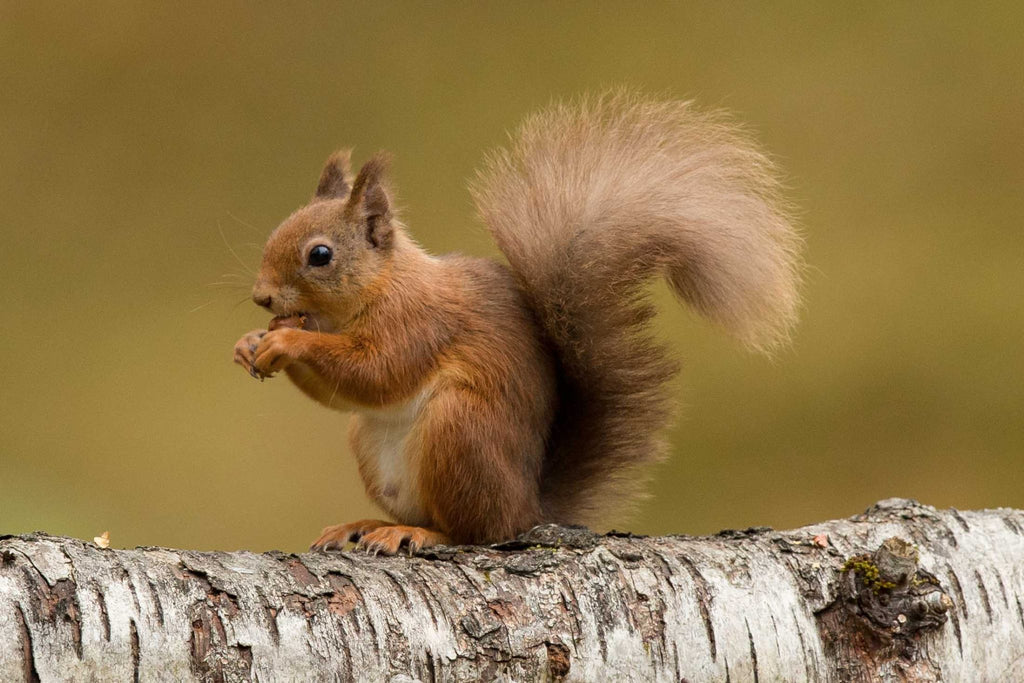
{"points": [[590, 201]]}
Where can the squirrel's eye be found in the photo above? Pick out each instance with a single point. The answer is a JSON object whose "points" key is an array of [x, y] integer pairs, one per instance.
{"points": [[319, 255]]}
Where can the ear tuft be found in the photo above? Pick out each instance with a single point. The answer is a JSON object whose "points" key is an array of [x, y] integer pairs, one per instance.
{"points": [[335, 179], [370, 202]]}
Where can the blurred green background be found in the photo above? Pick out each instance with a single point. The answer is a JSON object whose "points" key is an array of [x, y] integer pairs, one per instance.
{"points": [[144, 146]]}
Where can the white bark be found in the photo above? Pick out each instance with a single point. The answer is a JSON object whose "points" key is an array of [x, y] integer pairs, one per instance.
{"points": [[757, 605]]}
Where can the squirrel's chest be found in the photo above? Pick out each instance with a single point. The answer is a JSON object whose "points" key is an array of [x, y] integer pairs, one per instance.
{"points": [[384, 442]]}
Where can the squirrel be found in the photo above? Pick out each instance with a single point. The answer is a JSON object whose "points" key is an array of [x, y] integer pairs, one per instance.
{"points": [[487, 398]]}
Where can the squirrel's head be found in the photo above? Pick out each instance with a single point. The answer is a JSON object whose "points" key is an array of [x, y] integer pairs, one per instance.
{"points": [[320, 261]]}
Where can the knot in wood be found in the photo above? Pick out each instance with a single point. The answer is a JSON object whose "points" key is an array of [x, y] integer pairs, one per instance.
{"points": [[891, 593]]}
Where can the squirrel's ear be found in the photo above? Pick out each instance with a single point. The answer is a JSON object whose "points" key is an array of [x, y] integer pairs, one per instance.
{"points": [[369, 202], [335, 179]]}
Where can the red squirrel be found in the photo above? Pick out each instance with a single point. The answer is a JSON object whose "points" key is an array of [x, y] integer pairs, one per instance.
{"points": [[486, 397]]}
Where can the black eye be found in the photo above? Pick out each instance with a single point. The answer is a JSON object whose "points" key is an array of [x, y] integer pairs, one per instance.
{"points": [[319, 255]]}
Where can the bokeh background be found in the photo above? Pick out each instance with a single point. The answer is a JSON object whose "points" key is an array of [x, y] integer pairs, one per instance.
{"points": [[147, 150]]}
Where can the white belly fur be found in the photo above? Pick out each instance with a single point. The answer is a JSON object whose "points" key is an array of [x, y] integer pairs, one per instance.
{"points": [[386, 435]]}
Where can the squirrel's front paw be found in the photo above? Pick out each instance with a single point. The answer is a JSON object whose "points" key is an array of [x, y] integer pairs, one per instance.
{"points": [[245, 351], [276, 350]]}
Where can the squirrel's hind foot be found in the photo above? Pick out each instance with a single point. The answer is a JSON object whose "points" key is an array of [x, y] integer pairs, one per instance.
{"points": [[378, 537], [336, 537], [388, 540]]}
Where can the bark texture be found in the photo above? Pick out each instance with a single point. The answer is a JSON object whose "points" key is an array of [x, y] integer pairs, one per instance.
{"points": [[903, 592]]}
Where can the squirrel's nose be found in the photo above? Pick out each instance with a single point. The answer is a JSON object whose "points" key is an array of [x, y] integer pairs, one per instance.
{"points": [[261, 299]]}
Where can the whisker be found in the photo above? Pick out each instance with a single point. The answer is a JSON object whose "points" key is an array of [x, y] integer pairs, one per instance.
{"points": [[201, 306], [319, 332], [233, 252], [239, 285], [239, 220]]}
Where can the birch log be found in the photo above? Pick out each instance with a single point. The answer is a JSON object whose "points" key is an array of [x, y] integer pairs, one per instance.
{"points": [[903, 592]]}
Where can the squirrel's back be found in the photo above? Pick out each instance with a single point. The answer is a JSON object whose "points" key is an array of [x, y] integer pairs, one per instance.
{"points": [[590, 202]]}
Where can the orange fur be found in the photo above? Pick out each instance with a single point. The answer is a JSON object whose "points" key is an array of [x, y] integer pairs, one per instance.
{"points": [[487, 399]]}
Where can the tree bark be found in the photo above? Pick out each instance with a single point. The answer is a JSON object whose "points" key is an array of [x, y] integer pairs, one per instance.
{"points": [[903, 592]]}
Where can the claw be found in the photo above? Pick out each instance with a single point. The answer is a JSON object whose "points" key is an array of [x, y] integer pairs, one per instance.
{"points": [[391, 540], [338, 536]]}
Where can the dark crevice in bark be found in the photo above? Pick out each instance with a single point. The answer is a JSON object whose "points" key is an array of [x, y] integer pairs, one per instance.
{"points": [[704, 602], [1002, 589], [397, 581], [558, 661], [131, 588], [296, 602], [950, 537], [245, 660], [135, 650], [27, 654], [155, 597], [984, 595], [212, 656], [601, 631], [775, 632], [753, 652], [955, 583], [216, 595], [66, 593], [476, 629], [33, 577], [572, 605], [59, 601], [960, 520], [649, 619], [104, 616]]}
